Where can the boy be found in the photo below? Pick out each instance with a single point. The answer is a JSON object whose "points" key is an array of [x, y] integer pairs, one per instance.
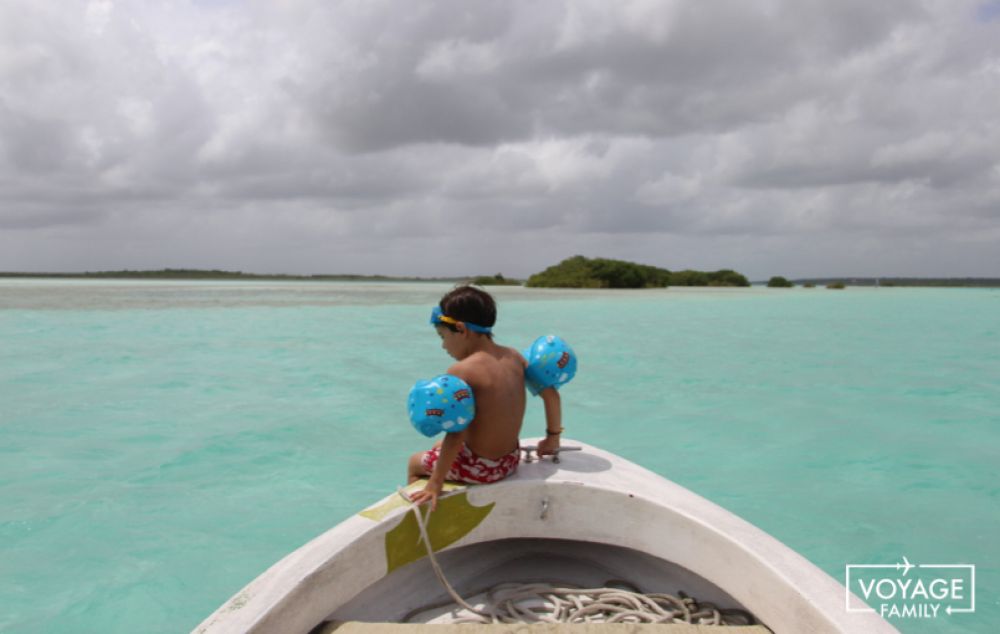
{"points": [[487, 450]]}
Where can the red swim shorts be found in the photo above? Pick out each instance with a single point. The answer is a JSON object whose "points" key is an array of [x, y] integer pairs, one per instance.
{"points": [[468, 467]]}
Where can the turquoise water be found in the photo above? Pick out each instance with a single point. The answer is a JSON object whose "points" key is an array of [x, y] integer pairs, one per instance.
{"points": [[161, 444]]}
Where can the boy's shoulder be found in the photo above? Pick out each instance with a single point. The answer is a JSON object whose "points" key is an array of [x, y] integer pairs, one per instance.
{"points": [[516, 355], [486, 362], [513, 355]]}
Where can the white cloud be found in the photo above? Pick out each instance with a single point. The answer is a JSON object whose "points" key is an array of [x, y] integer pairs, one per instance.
{"points": [[98, 14]]}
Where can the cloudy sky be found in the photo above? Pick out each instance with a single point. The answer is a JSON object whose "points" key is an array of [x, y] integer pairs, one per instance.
{"points": [[775, 137]]}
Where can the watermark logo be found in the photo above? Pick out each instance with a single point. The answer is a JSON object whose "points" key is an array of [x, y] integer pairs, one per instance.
{"points": [[911, 591]]}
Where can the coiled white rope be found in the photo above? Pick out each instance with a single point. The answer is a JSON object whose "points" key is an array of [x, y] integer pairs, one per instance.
{"points": [[548, 603]]}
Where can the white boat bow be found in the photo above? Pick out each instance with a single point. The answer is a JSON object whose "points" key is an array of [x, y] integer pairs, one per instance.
{"points": [[591, 517]]}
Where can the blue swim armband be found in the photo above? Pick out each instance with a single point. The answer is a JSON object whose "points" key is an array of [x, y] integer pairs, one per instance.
{"points": [[444, 403], [551, 363]]}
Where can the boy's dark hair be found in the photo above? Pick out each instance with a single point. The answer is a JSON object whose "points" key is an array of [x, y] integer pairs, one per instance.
{"points": [[469, 304]]}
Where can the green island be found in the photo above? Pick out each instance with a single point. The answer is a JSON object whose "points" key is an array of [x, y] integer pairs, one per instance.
{"points": [[494, 280], [581, 272], [779, 282]]}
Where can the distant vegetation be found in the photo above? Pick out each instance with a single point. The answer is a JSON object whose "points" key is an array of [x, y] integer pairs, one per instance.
{"points": [[581, 272], [494, 280], [722, 277], [216, 274], [575, 272], [779, 282], [837, 286], [977, 282]]}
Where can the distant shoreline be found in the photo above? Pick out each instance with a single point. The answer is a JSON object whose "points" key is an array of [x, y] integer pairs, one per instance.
{"points": [[942, 282], [216, 275], [219, 275]]}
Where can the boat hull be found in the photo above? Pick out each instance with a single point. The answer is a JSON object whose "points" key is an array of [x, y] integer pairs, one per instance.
{"points": [[592, 514]]}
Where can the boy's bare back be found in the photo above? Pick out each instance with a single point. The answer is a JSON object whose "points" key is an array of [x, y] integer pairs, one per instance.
{"points": [[496, 376]]}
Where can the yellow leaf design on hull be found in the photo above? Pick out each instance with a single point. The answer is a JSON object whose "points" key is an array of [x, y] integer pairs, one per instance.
{"points": [[454, 519]]}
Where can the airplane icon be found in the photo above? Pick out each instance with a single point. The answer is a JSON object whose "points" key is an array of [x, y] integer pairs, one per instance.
{"points": [[905, 565]]}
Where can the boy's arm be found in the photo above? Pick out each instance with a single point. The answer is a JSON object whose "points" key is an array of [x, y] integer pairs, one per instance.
{"points": [[553, 421], [450, 447]]}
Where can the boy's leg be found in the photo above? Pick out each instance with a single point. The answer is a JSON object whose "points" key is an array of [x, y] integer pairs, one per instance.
{"points": [[415, 469]]}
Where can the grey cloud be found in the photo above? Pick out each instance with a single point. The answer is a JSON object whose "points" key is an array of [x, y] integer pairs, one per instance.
{"points": [[31, 218], [361, 136], [679, 69]]}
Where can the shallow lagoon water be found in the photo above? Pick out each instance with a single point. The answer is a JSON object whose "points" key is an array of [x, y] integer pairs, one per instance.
{"points": [[162, 443]]}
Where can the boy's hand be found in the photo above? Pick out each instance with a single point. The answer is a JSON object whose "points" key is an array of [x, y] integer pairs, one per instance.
{"points": [[430, 492], [548, 446]]}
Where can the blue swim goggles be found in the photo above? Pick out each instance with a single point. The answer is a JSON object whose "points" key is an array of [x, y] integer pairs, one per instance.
{"points": [[438, 317]]}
